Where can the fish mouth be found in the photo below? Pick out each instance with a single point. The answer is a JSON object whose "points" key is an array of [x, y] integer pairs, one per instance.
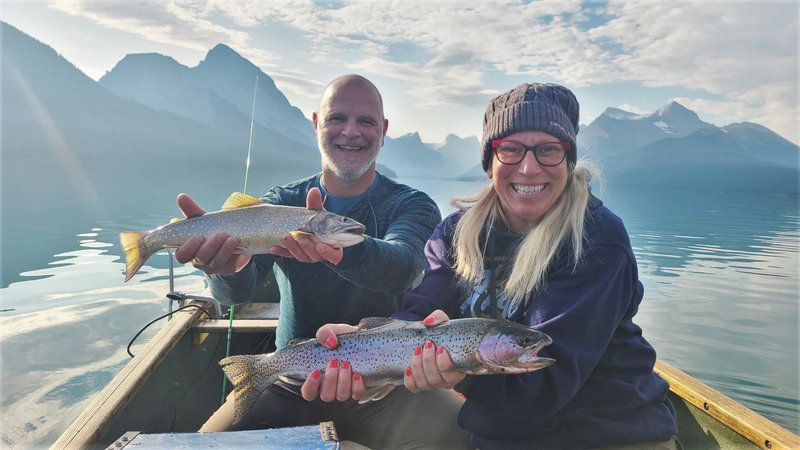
{"points": [[346, 233], [530, 357], [353, 228], [349, 236], [535, 362]]}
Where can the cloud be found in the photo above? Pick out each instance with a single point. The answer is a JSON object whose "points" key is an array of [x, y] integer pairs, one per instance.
{"points": [[161, 22], [745, 52], [447, 53]]}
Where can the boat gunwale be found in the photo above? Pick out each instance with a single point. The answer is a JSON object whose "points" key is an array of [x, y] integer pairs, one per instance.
{"points": [[754, 427]]}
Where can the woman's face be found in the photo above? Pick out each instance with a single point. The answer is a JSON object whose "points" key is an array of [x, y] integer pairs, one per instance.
{"points": [[527, 190]]}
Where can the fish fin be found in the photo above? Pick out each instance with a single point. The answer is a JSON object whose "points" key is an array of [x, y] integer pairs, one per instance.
{"points": [[239, 200], [487, 368], [240, 371], [298, 341], [369, 323], [293, 380], [297, 233], [134, 257], [377, 393], [175, 219], [480, 370]]}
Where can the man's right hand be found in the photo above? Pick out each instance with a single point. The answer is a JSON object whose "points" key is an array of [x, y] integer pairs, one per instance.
{"points": [[212, 255]]}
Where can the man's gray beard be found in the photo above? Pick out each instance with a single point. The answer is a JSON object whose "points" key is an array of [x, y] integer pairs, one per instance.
{"points": [[352, 174]]}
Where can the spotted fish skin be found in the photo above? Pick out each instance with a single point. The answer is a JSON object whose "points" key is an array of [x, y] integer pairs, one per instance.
{"points": [[256, 225], [380, 351]]}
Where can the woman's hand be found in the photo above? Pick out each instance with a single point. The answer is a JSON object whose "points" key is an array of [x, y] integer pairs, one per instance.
{"points": [[431, 367], [340, 382]]}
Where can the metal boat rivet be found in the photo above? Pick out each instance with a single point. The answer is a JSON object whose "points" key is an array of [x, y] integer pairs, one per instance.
{"points": [[768, 444], [706, 406]]}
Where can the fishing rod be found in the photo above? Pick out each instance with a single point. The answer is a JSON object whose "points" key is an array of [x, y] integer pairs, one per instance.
{"points": [[181, 297], [244, 190]]}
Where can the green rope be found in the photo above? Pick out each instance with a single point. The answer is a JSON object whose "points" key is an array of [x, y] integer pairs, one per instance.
{"points": [[227, 353]]}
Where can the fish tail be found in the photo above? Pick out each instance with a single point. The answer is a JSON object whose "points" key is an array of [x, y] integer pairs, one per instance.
{"points": [[134, 257], [240, 370]]}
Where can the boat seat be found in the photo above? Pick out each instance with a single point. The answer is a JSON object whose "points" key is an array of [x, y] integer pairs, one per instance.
{"points": [[250, 318]]}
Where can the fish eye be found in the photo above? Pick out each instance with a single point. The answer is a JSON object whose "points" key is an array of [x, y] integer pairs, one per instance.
{"points": [[527, 341]]}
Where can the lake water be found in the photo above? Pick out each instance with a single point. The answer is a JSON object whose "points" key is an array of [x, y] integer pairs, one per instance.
{"points": [[720, 274]]}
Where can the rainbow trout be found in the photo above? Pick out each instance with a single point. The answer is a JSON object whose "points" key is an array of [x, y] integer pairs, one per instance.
{"points": [[381, 350], [255, 224]]}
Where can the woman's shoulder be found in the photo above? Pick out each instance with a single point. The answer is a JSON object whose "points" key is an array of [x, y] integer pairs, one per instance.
{"points": [[603, 225], [447, 226]]}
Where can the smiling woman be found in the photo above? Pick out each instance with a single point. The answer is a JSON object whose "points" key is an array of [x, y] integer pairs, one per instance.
{"points": [[537, 248]]}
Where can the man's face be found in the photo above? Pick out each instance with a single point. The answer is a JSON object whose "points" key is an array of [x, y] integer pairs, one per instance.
{"points": [[350, 128]]}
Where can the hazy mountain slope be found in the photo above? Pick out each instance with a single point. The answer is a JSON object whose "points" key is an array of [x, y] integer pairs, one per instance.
{"points": [[218, 92], [708, 159], [616, 132]]}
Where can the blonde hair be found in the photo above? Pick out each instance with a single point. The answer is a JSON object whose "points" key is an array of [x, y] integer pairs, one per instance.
{"points": [[562, 224]]}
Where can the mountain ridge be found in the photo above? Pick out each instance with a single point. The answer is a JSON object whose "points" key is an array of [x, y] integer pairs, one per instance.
{"points": [[204, 113]]}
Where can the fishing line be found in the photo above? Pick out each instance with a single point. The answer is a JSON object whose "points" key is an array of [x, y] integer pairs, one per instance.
{"points": [[250, 144], [161, 317]]}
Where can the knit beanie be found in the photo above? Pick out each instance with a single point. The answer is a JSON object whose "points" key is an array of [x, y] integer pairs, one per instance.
{"points": [[546, 107]]}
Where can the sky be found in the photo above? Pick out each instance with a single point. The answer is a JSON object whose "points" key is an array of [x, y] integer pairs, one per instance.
{"points": [[439, 62]]}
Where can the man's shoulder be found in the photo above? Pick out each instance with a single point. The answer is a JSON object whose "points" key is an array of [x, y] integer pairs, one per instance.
{"points": [[390, 188], [292, 193]]}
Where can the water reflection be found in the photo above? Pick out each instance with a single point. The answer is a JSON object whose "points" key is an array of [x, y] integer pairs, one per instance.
{"points": [[66, 331], [721, 283]]}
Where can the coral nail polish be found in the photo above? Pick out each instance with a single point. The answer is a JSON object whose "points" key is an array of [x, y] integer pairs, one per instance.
{"points": [[356, 376], [315, 374], [333, 364], [428, 345], [408, 371], [417, 350], [345, 365], [440, 350], [331, 341], [428, 320]]}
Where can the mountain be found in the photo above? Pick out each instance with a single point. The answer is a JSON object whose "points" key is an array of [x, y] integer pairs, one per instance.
{"points": [[407, 155], [763, 143], [617, 131], [708, 159], [217, 92], [674, 148], [459, 153], [71, 149]]}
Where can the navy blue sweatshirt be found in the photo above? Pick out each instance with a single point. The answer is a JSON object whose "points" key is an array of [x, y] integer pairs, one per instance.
{"points": [[602, 389]]}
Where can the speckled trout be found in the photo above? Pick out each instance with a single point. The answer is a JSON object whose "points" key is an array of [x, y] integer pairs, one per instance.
{"points": [[380, 350], [256, 225]]}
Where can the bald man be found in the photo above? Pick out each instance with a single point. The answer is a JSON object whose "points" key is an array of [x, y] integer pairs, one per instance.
{"points": [[320, 284]]}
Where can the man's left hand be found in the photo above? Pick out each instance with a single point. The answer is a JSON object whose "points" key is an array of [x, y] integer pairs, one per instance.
{"points": [[304, 248]]}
